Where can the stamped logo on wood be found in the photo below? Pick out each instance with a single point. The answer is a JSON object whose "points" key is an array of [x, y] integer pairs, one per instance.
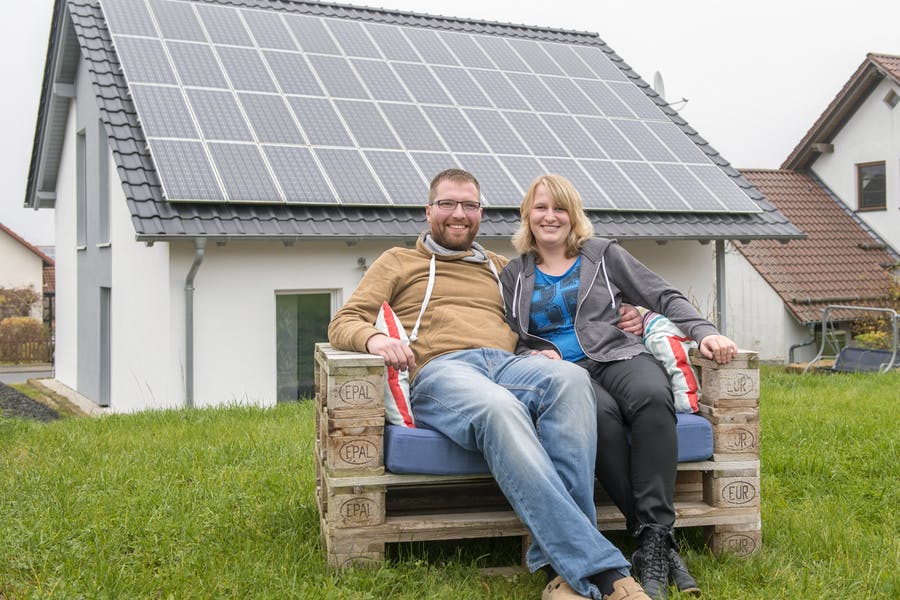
{"points": [[739, 544], [357, 391], [740, 439], [358, 452], [739, 384], [357, 510], [739, 492]]}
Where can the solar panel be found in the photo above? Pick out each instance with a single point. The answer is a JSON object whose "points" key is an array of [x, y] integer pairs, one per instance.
{"points": [[421, 83], [394, 169], [524, 169], [496, 131], [188, 172], [641, 138], [244, 173], [392, 43], [366, 124], [245, 69], [320, 121], [497, 189], [689, 187], [197, 65], [538, 137], [268, 30], [299, 175], [177, 20], [615, 185], [223, 25], [270, 118], [414, 130], [466, 50], [338, 78], [163, 112], [307, 105], [292, 73], [350, 176], [454, 129], [219, 116], [591, 195], [461, 86], [535, 57], [573, 137], [380, 79], [429, 46], [353, 39], [144, 61], [657, 191]]}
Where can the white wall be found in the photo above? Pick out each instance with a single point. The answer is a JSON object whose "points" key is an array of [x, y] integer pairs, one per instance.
{"points": [[234, 308], [757, 316], [21, 268], [871, 135], [66, 348], [143, 356]]}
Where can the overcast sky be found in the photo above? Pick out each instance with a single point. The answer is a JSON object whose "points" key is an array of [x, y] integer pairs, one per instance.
{"points": [[756, 74]]}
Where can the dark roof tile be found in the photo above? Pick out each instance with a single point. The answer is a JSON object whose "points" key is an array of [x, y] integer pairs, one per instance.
{"points": [[829, 266]]}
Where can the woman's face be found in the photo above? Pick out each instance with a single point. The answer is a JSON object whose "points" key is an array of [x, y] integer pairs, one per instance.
{"points": [[549, 225]]}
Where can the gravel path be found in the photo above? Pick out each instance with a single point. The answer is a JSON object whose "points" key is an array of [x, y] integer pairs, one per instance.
{"points": [[14, 404]]}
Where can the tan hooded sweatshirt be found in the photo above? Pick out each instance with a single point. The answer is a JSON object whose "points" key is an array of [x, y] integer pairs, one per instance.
{"points": [[465, 309]]}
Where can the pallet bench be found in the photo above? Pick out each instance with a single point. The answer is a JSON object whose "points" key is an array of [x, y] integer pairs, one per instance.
{"points": [[362, 506]]}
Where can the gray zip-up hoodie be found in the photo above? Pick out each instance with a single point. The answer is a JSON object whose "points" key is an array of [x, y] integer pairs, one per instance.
{"points": [[609, 275]]}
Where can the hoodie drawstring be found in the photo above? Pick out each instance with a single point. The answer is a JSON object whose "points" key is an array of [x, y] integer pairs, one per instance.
{"points": [[612, 298], [415, 331]]}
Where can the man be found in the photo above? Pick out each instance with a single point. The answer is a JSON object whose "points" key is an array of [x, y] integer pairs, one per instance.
{"points": [[532, 418]]}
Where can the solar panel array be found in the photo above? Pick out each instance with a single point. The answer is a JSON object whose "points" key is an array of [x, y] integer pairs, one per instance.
{"points": [[256, 105]]}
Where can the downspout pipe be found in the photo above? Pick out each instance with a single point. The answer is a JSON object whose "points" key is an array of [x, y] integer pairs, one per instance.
{"points": [[720, 286], [199, 250]]}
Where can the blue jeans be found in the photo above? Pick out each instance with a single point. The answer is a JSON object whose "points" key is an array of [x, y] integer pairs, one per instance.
{"points": [[534, 420]]}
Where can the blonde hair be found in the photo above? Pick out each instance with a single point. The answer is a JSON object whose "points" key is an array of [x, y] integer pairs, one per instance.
{"points": [[565, 197]]}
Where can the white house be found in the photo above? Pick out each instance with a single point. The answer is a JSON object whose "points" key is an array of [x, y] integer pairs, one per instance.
{"points": [[22, 266], [223, 172], [841, 186]]}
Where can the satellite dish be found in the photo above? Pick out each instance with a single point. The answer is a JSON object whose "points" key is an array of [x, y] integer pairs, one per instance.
{"points": [[658, 86]]}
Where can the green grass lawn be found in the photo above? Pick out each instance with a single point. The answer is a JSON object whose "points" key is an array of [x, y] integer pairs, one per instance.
{"points": [[220, 504]]}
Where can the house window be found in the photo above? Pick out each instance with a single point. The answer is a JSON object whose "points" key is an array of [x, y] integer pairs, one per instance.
{"points": [[871, 186], [81, 188], [301, 320], [103, 191], [892, 99]]}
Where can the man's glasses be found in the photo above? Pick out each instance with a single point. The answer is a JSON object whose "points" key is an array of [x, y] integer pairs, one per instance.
{"points": [[450, 205]]}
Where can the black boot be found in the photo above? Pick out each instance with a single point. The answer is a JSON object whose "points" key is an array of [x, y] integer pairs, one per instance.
{"points": [[680, 576], [651, 562]]}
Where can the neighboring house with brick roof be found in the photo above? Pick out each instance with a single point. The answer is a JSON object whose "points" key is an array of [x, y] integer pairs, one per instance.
{"points": [[223, 171], [841, 186], [24, 265]]}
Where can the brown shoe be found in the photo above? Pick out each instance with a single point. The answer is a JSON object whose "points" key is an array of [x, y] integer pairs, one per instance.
{"points": [[627, 589], [558, 589]]}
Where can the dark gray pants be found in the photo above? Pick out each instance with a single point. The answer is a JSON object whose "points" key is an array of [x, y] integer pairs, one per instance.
{"points": [[634, 400]]}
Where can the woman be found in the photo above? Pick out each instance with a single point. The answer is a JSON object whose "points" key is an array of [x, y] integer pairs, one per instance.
{"points": [[563, 296]]}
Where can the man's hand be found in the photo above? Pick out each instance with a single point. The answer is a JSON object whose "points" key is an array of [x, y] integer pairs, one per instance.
{"points": [[394, 352], [551, 354], [630, 320], [719, 348]]}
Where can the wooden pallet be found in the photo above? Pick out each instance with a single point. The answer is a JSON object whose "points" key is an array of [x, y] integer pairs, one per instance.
{"points": [[362, 507]]}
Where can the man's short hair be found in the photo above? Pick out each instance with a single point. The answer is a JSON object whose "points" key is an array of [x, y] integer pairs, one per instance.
{"points": [[454, 175]]}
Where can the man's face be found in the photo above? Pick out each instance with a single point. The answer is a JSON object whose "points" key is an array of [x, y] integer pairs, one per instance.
{"points": [[454, 229]]}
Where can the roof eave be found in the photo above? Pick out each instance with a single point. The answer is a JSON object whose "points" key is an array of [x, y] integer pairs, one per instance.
{"points": [[842, 107], [57, 91]]}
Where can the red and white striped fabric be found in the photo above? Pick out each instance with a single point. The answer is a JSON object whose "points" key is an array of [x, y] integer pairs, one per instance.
{"points": [[670, 346], [397, 410]]}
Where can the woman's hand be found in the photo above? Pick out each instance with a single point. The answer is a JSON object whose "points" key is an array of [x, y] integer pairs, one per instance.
{"points": [[719, 348]]}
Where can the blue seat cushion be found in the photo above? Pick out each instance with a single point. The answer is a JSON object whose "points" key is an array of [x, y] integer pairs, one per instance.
{"points": [[420, 450]]}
